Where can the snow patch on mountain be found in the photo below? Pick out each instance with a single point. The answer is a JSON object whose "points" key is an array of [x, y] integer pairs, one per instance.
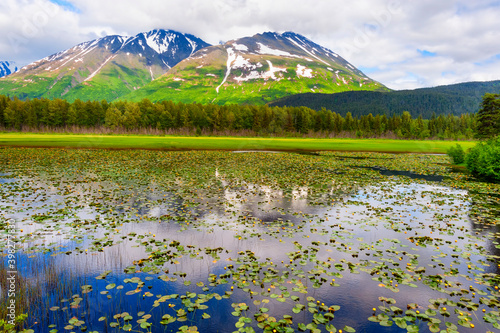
{"points": [[231, 56], [273, 70], [7, 68], [161, 42], [79, 55], [307, 51], [255, 75], [240, 47], [264, 49], [235, 61], [330, 52], [240, 62], [159, 46], [162, 60], [100, 67], [303, 71], [193, 44]]}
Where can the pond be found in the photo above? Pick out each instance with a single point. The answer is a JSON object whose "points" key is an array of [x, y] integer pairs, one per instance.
{"points": [[142, 241]]}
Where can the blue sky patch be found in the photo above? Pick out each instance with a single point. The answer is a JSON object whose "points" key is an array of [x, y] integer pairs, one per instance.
{"points": [[427, 54], [448, 73], [66, 5], [488, 61], [368, 70]]}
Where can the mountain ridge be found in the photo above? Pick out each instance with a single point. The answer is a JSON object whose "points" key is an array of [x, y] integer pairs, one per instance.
{"points": [[106, 67], [256, 69]]}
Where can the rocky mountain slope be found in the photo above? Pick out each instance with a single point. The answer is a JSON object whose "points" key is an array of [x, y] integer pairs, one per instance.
{"points": [[7, 68], [256, 69], [105, 68]]}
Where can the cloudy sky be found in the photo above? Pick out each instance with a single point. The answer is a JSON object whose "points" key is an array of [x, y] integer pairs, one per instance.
{"points": [[403, 44]]}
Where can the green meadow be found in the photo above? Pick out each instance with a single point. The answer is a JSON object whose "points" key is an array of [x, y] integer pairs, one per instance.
{"points": [[226, 143]]}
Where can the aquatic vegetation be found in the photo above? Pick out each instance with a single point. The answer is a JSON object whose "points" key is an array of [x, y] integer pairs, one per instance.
{"points": [[483, 160], [206, 241]]}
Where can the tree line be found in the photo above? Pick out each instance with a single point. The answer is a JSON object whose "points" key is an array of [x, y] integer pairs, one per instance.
{"points": [[122, 116]]}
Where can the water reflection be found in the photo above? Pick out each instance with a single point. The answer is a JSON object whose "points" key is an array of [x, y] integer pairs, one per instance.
{"points": [[412, 175], [360, 241]]}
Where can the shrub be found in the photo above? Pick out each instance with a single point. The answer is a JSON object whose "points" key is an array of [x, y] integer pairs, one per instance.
{"points": [[483, 161], [457, 154]]}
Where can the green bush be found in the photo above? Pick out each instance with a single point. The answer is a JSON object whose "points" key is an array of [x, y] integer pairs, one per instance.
{"points": [[483, 161], [456, 154]]}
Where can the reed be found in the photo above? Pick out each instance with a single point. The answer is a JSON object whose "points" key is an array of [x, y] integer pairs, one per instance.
{"points": [[192, 132]]}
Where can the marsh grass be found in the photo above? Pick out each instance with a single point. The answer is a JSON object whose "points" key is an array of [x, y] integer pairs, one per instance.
{"points": [[36, 291], [193, 131], [23, 294]]}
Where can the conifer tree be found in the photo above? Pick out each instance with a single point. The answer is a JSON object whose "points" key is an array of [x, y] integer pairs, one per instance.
{"points": [[488, 117]]}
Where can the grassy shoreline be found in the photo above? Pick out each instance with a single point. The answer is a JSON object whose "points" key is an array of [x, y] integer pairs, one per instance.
{"points": [[82, 141]]}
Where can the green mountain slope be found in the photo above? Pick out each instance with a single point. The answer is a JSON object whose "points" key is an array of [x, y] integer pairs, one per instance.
{"points": [[256, 70], [451, 99]]}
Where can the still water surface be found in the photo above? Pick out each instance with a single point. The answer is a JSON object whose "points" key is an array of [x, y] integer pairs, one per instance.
{"points": [[393, 239]]}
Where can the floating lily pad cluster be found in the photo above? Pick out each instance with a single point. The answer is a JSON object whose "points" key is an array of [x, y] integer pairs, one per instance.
{"points": [[215, 241]]}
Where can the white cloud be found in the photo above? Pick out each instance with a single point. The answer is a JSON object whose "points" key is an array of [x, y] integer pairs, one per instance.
{"points": [[383, 35]]}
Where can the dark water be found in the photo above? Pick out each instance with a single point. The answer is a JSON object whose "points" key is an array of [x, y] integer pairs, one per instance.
{"points": [[409, 174]]}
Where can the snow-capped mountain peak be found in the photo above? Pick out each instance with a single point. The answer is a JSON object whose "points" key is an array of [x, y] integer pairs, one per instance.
{"points": [[165, 64], [7, 68], [158, 41], [246, 55], [109, 66], [257, 68], [164, 47]]}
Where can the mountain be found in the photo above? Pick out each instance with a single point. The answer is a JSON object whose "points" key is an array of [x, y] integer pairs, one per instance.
{"points": [[7, 68], [105, 68], [256, 70], [451, 99]]}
